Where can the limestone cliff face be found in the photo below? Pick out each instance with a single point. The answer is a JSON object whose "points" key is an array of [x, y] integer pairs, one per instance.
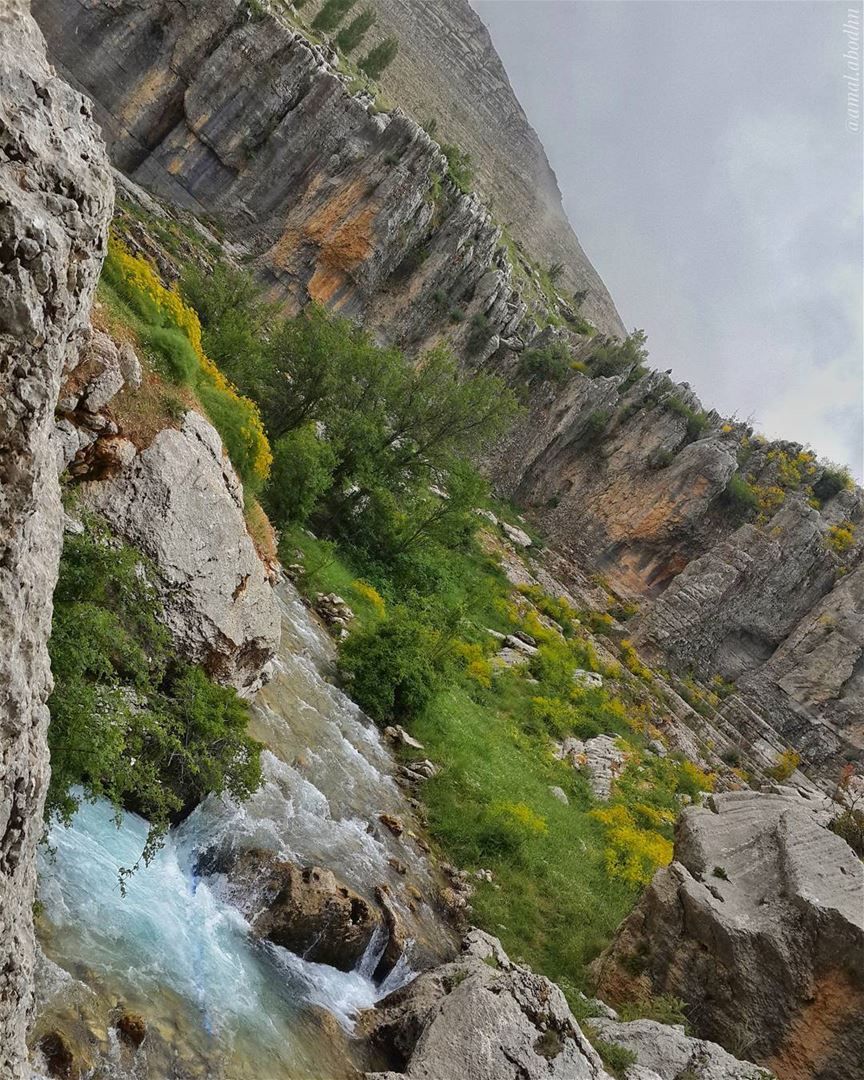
{"points": [[447, 69], [245, 122], [625, 484], [55, 203], [238, 117]]}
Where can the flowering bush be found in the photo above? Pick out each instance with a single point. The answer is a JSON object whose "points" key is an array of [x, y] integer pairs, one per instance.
{"points": [[172, 328]]}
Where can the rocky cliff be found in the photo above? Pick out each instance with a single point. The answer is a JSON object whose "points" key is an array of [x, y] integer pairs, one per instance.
{"points": [[758, 925], [447, 70], [56, 198], [239, 117]]}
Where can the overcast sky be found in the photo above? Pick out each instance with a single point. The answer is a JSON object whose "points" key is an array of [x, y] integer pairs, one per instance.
{"points": [[703, 154]]}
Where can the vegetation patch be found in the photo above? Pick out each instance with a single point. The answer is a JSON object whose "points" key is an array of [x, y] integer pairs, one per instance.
{"points": [[130, 722]]}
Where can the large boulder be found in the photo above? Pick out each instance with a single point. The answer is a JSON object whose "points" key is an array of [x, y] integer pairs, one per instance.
{"points": [[56, 197], [758, 925], [482, 1017], [181, 504], [667, 1052], [305, 909]]}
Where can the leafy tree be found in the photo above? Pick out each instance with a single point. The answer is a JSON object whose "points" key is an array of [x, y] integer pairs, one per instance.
{"points": [[350, 36], [302, 471], [379, 58], [331, 14], [392, 427]]}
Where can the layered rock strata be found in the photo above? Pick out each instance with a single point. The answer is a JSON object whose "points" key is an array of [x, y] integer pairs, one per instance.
{"points": [[758, 925], [55, 203]]}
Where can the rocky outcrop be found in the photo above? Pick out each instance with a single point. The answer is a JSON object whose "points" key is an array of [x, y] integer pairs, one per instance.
{"points": [[232, 113], [304, 909], [479, 1016], [667, 1052], [758, 925], [55, 202], [180, 503], [627, 483], [600, 758]]}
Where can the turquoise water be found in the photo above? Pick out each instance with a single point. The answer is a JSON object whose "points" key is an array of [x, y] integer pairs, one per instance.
{"points": [[220, 1003]]}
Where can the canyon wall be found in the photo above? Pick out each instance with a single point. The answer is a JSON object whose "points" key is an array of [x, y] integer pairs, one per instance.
{"points": [[234, 114], [447, 70], [56, 200], [241, 119]]}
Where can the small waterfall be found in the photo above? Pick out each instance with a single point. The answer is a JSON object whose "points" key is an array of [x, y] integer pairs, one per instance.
{"points": [[178, 952]]}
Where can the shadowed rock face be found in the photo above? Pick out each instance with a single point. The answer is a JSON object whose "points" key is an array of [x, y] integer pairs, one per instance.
{"points": [[55, 202], [758, 925]]}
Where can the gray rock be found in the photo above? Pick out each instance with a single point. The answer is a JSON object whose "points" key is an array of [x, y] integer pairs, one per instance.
{"points": [[515, 535], [55, 204], [130, 366], [559, 793], [591, 680], [105, 374], [665, 1051], [601, 759], [758, 925], [181, 504], [481, 1016]]}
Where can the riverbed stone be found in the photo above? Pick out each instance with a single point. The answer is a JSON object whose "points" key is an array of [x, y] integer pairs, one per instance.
{"points": [[305, 909], [483, 1017]]}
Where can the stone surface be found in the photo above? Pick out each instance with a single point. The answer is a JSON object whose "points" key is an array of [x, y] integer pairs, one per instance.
{"points": [[667, 1052], [55, 202], [305, 909], [600, 758], [480, 1016], [447, 68], [180, 503], [758, 925]]}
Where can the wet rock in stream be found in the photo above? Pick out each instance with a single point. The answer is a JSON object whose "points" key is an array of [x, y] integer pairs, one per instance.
{"points": [[307, 910]]}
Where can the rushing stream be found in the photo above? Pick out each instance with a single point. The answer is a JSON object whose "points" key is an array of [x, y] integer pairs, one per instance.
{"points": [[218, 1001]]}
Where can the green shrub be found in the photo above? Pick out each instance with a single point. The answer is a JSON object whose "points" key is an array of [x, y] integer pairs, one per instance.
{"points": [[611, 357], [394, 667], [379, 58], [616, 1058], [128, 722], [834, 479], [549, 362], [850, 826], [664, 1008], [741, 494], [459, 166], [302, 471], [350, 36]]}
